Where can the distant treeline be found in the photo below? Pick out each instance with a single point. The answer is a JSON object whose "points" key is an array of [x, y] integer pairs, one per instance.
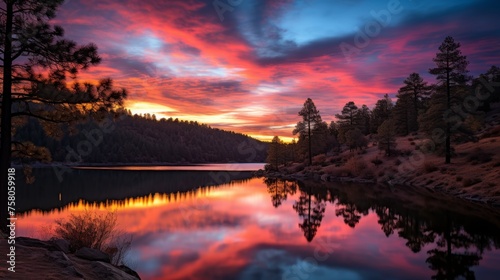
{"points": [[142, 139]]}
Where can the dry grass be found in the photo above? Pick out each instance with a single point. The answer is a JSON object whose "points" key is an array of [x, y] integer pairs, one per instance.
{"points": [[479, 156], [94, 230], [356, 165]]}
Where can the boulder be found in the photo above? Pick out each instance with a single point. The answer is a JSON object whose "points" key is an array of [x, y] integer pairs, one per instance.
{"points": [[110, 272], [129, 270], [61, 244], [45, 260], [31, 242], [92, 255]]}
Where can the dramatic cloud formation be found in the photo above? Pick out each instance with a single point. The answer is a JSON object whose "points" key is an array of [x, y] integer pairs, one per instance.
{"points": [[248, 65]]}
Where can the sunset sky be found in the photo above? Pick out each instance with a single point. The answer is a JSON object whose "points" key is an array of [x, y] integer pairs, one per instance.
{"points": [[249, 67]]}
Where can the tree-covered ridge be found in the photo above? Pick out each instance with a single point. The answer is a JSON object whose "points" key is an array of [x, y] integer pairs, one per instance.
{"points": [[450, 111], [143, 139]]}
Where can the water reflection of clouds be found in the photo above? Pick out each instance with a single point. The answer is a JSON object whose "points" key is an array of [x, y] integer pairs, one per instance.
{"points": [[242, 235]]}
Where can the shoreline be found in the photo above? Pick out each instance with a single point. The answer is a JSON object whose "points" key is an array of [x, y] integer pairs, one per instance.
{"points": [[472, 176]]}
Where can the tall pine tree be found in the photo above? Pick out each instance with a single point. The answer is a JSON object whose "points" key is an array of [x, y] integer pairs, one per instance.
{"points": [[381, 112], [35, 61], [451, 74], [417, 89], [310, 119]]}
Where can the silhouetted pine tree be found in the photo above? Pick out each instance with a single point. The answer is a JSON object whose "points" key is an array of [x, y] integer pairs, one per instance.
{"points": [[310, 119], [417, 89], [451, 74], [380, 113]]}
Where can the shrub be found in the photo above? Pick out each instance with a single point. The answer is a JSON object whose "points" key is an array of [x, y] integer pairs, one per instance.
{"points": [[355, 165], [337, 171], [319, 159], [405, 152], [430, 167], [460, 178], [397, 162], [93, 230], [479, 156], [299, 167], [412, 143], [376, 161]]}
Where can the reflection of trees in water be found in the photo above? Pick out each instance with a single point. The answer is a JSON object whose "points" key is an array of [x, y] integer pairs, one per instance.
{"points": [[311, 208], [414, 231], [351, 212], [280, 189], [48, 193], [457, 241], [453, 255], [387, 219]]}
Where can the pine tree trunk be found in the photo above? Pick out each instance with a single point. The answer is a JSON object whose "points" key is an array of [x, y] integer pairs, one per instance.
{"points": [[309, 139], [6, 125], [448, 106]]}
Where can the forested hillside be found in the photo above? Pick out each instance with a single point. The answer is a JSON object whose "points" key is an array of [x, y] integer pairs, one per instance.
{"points": [[143, 139]]}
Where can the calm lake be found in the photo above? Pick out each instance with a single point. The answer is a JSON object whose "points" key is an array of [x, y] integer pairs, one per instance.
{"points": [[205, 222]]}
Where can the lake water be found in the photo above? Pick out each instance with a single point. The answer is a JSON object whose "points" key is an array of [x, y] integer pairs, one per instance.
{"points": [[217, 224]]}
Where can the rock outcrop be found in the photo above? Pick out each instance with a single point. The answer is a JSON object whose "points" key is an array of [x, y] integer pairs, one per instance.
{"points": [[36, 259]]}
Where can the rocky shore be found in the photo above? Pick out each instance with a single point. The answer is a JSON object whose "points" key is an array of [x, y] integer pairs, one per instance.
{"points": [[473, 174], [36, 259]]}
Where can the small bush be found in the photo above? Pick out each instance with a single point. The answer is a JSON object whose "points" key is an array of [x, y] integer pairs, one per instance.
{"points": [[430, 167], [376, 161], [397, 162], [355, 165], [367, 174], [93, 230], [362, 152], [410, 139], [299, 167], [405, 152], [479, 156], [412, 143], [338, 171], [319, 159], [459, 178]]}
